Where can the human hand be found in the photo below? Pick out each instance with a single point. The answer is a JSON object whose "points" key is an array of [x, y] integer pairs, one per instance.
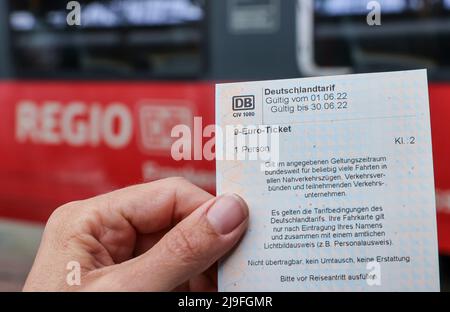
{"points": [[161, 236]]}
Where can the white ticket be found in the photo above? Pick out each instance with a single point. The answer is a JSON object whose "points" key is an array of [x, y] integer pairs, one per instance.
{"points": [[338, 175]]}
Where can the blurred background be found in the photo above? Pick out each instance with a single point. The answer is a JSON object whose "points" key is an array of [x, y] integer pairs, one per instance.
{"points": [[88, 109]]}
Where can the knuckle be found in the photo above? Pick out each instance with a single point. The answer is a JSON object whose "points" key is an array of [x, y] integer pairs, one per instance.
{"points": [[177, 180], [184, 245], [61, 214]]}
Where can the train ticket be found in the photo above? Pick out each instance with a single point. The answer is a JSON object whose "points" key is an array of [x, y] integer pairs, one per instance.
{"points": [[338, 175]]}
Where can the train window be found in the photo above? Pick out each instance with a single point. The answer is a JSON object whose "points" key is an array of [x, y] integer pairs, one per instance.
{"points": [[414, 34], [117, 38]]}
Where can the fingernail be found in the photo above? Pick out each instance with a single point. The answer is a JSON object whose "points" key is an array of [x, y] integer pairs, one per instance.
{"points": [[227, 213]]}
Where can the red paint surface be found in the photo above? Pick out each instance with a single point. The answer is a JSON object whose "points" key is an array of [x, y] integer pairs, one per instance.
{"points": [[37, 178]]}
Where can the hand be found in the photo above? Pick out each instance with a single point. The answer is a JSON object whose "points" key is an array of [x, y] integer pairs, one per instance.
{"points": [[162, 236]]}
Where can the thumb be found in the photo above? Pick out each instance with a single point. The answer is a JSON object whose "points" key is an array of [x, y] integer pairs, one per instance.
{"points": [[190, 248]]}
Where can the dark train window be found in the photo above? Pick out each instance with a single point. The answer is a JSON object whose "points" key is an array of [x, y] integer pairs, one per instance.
{"points": [[117, 38], [414, 34]]}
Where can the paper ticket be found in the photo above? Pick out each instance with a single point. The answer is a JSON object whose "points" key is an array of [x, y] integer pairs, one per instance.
{"points": [[338, 175]]}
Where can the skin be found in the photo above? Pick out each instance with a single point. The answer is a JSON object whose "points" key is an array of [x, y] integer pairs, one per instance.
{"points": [[160, 236]]}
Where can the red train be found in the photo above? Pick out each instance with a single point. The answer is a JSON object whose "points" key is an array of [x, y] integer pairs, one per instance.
{"points": [[89, 109]]}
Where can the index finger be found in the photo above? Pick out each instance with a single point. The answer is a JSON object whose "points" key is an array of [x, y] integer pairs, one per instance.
{"points": [[153, 206]]}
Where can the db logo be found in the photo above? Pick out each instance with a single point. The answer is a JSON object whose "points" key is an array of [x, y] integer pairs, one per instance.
{"points": [[244, 103], [157, 121]]}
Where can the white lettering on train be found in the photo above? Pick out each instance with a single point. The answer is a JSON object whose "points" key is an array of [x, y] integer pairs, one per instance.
{"points": [[75, 124]]}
